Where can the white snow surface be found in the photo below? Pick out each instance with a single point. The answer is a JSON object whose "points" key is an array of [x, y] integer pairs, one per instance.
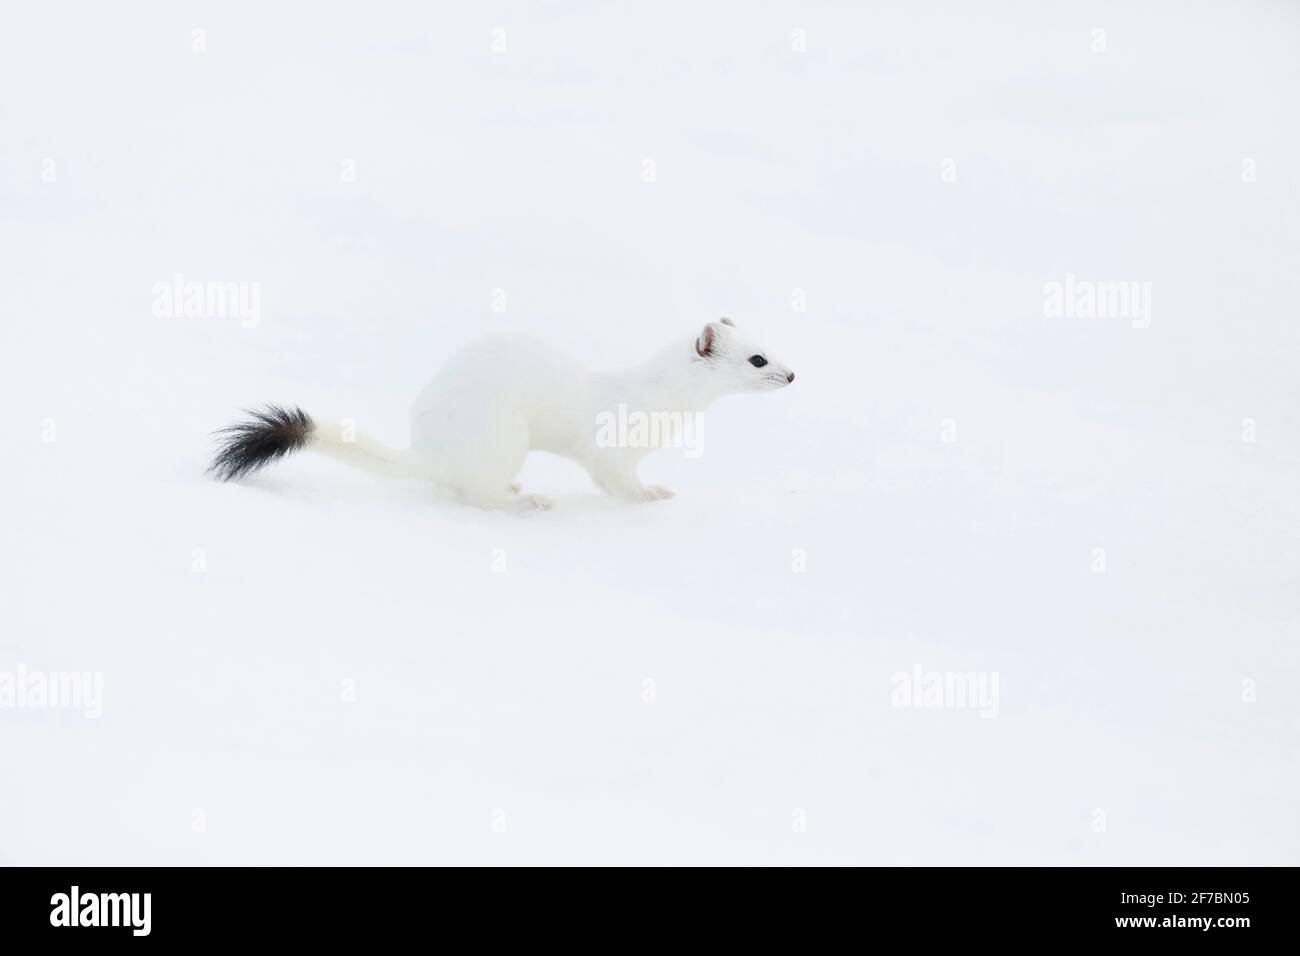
{"points": [[318, 666]]}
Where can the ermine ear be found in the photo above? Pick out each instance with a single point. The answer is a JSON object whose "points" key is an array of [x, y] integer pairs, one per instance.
{"points": [[726, 321], [704, 344]]}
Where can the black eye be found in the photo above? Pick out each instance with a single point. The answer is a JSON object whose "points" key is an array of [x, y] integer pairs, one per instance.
{"points": [[757, 361]]}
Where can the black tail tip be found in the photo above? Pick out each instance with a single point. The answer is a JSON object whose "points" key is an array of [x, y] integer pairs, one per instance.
{"points": [[269, 433]]}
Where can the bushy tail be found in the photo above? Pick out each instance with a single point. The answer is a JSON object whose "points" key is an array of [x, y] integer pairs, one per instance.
{"points": [[271, 432]]}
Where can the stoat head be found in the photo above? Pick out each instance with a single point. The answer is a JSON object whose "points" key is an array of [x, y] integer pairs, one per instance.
{"points": [[736, 364]]}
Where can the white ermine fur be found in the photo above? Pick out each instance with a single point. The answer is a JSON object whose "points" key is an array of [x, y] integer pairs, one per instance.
{"points": [[476, 421]]}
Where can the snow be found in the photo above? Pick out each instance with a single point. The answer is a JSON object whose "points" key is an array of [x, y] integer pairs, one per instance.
{"points": [[321, 667]]}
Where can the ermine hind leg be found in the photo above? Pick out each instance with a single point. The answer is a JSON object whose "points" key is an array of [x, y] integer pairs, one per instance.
{"points": [[506, 501], [489, 450]]}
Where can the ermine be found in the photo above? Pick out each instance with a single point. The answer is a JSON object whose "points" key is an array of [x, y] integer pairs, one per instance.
{"points": [[476, 421]]}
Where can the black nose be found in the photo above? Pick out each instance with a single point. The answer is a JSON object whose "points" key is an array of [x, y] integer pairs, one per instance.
{"points": [[789, 378]]}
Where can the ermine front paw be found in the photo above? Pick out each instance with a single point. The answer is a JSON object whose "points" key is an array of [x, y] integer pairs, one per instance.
{"points": [[540, 502], [657, 493]]}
